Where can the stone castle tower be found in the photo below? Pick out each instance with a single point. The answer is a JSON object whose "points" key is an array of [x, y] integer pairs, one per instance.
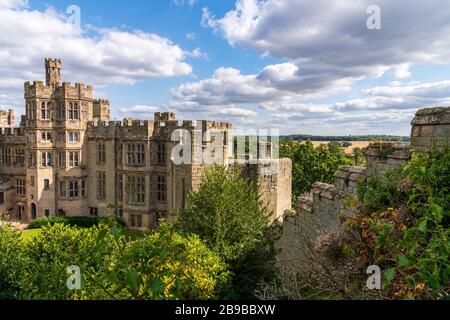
{"points": [[67, 159]]}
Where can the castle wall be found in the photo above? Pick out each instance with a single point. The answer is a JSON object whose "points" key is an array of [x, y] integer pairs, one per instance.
{"points": [[319, 212]]}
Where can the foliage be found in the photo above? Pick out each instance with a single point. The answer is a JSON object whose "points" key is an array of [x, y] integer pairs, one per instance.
{"points": [[227, 213], [163, 265], [311, 164], [375, 192], [409, 237], [359, 157], [12, 262], [79, 221]]}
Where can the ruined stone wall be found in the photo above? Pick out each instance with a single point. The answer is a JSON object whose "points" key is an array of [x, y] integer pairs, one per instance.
{"points": [[384, 156], [319, 212]]}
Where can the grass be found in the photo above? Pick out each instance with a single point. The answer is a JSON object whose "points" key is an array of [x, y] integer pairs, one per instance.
{"points": [[28, 234]]}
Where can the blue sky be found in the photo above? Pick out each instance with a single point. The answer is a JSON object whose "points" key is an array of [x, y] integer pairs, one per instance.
{"points": [[293, 65]]}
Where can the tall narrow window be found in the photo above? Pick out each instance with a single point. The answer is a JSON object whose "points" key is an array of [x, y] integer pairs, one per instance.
{"points": [[46, 159], [136, 190], [161, 154], [73, 189], [161, 189], [20, 187], [101, 185], [31, 160], [73, 159], [120, 188], [62, 158], [62, 189], [45, 110], [101, 152], [20, 156], [83, 188], [73, 111], [140, 188], [62, 112]]}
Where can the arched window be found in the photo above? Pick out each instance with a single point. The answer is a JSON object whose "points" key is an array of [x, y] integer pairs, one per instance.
{"points": [[33, 211]]}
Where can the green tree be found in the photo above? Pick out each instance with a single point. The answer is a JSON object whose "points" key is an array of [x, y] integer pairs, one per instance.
{"points": [[311, 164], [227, 213]]}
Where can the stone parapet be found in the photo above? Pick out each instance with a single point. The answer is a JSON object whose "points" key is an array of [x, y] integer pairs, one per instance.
{"points": [[346, 178], [384, 156], [430, 127]]}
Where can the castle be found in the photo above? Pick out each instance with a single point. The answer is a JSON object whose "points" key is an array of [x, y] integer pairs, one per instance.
{"points": [[66, 158]]}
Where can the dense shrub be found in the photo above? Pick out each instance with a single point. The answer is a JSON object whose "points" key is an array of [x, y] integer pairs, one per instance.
{"points": [[375, 192], [226, 212], [163, 265], [12, 262], [409, 237], [79, 221]]}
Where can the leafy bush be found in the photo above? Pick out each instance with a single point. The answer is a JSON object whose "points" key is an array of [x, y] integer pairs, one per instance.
{"points": [[226, 213], [163, 265], [410, 240], [12, 262], [375, 193], [79, 221]]}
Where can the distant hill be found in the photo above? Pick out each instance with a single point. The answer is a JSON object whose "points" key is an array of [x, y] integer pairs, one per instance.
{"points": [[307, 137]]}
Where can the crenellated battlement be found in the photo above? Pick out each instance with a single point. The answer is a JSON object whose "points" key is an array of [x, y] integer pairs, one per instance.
{"points": [[101, 101], [12, 132]]}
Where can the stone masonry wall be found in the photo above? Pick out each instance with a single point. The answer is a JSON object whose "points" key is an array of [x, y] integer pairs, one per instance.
{"points": [[319, 212]]}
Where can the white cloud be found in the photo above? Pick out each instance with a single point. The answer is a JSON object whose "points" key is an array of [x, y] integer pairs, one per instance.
{"points": [[238, 112], [402, 71], [92, 56], [109, 56], [13, 4], [329, 40], [277, 82], [138, 109]]}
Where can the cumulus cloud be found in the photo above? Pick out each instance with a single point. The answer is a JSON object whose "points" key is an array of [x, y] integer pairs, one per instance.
{"points": [[381, 109], [329, 40], [93, 56], [276, 82]]}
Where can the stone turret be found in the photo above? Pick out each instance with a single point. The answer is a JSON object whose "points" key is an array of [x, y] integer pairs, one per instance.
{"points": [[101, 109], [53, 72], [7, 118]]}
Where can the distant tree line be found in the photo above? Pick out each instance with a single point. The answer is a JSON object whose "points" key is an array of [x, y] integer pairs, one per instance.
{"points": [[307, 137]]}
